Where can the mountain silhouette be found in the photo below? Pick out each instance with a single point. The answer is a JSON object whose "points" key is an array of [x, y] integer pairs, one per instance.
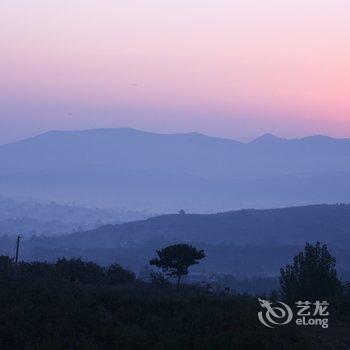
{"points": [[165, 172]]}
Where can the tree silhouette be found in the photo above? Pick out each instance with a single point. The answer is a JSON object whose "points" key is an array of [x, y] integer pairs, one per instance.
{"points": [[312, 276], [175, 260]]}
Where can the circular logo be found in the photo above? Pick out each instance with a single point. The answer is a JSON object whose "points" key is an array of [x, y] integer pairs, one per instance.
{"points": [[279, 314]]}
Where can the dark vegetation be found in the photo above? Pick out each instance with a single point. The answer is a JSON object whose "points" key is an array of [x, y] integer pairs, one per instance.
{"points": [[73, 304], [311, 276], [44, 309]]}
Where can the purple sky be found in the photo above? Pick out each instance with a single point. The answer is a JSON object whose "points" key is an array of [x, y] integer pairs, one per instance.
{"points": [[227, 68]]}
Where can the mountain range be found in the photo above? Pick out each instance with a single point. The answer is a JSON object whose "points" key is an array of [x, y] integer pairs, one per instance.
{"points": [[167, 172]]}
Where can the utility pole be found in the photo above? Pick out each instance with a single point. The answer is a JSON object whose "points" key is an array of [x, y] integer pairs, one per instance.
{"points": [[17, 249]]}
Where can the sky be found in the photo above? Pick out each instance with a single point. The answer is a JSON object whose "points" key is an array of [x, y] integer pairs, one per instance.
{"points": [[231, 68]]}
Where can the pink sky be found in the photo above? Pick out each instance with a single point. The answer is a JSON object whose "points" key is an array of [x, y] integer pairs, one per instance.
{"points": [[222, 67]]}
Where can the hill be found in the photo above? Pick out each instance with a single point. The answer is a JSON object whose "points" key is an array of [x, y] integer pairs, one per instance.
{"points": [[285, 226], [165, 172], [243, 243]]}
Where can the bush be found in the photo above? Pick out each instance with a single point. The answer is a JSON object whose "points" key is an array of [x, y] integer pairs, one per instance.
{"points": [[116, 274], [157, 278], [6, 268], [76, 270]]}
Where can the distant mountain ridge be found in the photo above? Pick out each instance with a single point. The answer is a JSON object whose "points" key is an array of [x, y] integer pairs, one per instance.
{"points": [[165, 172]]}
